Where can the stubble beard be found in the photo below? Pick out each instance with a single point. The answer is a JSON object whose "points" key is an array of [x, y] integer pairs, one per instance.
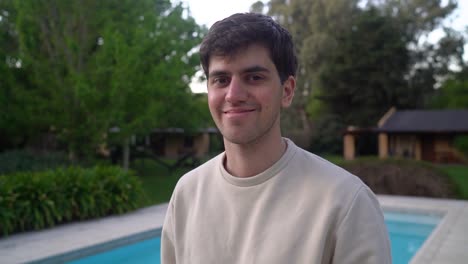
{"points": [[247, 139]]}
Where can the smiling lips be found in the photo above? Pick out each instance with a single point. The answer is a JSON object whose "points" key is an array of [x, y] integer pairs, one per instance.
{"points": [[238, 111]]}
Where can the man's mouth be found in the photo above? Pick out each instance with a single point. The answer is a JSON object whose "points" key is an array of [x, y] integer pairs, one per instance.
{"points": [[238, 110]]}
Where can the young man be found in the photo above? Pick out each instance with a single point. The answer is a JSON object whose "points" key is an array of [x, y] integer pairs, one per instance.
{"points": [[265, 200]]}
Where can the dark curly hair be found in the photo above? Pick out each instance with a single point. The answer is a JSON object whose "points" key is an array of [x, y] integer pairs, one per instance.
{"points": [[228, 36]]}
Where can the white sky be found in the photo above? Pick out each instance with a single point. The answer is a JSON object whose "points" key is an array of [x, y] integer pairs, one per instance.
{"points": [[207, 12]]}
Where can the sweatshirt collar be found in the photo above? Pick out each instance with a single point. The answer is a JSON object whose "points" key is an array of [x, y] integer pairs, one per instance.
{"points": [[263, 176]]}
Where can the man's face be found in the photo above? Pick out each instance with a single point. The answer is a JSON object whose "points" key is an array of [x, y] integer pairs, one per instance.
{"points": [[245, 95]]}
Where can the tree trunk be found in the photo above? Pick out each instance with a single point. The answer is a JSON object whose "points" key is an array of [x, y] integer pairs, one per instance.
{"points": [[126, 154], [72, 155]]}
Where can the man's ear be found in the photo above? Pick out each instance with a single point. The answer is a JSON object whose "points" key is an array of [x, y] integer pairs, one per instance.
{"points": [[289, 86]]}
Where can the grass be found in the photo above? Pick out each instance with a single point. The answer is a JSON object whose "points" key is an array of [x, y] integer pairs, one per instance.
{"points": [[158, 181], [459, 175]]}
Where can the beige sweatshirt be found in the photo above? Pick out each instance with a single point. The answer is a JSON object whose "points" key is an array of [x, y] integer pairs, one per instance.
{"points": [[301, 210]]}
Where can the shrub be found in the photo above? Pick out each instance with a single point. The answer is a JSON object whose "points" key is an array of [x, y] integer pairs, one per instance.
{"points": [[402, 177], [36, 200], [461, 143], [26, 160]]}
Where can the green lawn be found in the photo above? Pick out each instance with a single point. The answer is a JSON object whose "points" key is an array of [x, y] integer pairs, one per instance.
{"points": [[158, 181], [459, 175]]}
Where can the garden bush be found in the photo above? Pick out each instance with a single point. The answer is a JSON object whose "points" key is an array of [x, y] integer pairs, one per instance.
{"points": [[37, 200], [461, 143], [402, 177]]}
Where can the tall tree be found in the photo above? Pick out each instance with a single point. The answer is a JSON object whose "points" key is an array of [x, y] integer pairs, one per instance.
{"points": [[313, 25], [357, 61], [16, 122], [364, 76], [147, 75], [453, 94], [99, 64]]}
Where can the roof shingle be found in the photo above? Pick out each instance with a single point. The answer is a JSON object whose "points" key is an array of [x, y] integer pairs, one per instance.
{"points": [[455, 121]]}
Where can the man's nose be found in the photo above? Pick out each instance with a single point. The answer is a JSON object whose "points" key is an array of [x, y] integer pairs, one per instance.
{"points": [[237, 92]]}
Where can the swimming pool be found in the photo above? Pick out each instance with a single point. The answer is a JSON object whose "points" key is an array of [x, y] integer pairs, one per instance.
{"points": [[146, 251], [407, 234]]}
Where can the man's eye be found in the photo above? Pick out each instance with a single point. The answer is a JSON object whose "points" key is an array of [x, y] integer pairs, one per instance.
{"points": [[220, 80], [255, 77]]}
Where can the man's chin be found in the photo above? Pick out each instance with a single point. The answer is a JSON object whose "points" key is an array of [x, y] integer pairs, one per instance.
{"points": [[239, 139]]}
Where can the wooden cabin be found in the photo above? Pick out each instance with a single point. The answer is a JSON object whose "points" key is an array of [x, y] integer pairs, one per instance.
{"points": [[416, 134]]}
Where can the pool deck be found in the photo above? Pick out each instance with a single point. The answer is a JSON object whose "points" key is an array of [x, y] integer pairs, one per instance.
{"points": [[447, 244], [39, 246]]}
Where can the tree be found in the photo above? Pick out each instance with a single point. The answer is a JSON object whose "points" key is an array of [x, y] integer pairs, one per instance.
{"points": [[102, 64], [364, 77], [361, 60], [453, 94], [313, 25], [147, 79], [16, 122]]}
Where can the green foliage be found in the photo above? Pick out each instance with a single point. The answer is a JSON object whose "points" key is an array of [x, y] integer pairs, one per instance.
{"points": [[459, 175], [17, 122], [461, 143], [36, 200], [24, 160], [453, 94], [327, 137], [158, 181], [314, 26], [361, 99], [92, 65], [357, 61]]}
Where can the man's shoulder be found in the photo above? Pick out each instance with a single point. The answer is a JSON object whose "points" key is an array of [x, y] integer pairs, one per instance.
{"points": [[324, 173], [334, 186]]}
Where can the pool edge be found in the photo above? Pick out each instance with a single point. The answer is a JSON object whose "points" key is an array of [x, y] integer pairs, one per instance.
{"points": [[449, 210], [98, 247]]}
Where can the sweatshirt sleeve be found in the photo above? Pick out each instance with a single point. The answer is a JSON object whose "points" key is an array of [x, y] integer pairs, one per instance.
{"points": [[167, 238], [362, 236]]}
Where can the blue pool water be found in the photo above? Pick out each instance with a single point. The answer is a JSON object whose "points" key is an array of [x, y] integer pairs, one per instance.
{"points": [[144, 252], [407, 234]]}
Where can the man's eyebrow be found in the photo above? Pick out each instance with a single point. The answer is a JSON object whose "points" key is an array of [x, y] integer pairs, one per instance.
{"points": [[217, 73], [255, 68]]}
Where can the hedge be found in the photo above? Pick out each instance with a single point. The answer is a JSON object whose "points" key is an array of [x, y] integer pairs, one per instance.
{"points": [[461, 143], [37, 200]]}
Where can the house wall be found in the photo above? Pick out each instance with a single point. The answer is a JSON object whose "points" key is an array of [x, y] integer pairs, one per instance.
{"points": [[418, 149], [201, 144], [403, 146], [437, 148], [175, 145], [444, 151]]}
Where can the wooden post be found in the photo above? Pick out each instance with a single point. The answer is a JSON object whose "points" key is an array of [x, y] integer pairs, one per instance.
{"points": [[418, 150], [383, 145], [349, 147]]}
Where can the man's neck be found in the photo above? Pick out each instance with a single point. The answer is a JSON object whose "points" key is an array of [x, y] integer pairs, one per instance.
{"points": [[251, 159]]}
